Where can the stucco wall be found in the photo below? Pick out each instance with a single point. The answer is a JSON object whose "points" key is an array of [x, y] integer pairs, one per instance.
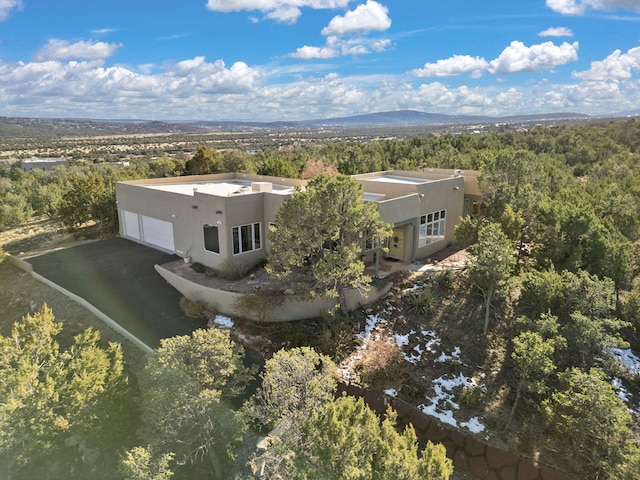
{"points": [[292, 309], [190, 213]]}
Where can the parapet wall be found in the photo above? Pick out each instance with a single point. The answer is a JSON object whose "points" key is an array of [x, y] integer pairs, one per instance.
{"points": [[468, 453]]}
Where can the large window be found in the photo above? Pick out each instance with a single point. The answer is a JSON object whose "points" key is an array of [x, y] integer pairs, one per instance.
{"points": [[246, 238], [211, 241], [432, 228]]}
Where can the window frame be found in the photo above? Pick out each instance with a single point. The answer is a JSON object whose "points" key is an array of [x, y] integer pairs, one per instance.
{"points": [[432, 227], [246, 238], [204, 238]]}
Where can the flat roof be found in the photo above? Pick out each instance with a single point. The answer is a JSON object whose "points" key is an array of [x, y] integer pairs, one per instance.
{"points": [[222, 188], [374, 197], [397, 179], [43, 160]]}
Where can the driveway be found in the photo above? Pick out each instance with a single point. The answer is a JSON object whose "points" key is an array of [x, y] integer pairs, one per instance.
{"points": [[117, 277]]}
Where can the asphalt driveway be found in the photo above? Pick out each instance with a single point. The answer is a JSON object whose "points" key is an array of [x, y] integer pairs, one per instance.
{"points": [[117, 277]]}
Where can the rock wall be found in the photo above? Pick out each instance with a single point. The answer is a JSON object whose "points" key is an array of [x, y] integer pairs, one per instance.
{"points": [[468, 453]]}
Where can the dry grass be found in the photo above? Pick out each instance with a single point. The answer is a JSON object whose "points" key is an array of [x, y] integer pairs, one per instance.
{"points": [[381, 365]]}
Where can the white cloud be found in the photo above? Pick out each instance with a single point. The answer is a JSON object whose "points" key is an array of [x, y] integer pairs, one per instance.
{"points": [[6, 6], [336, 47], [578, 7], [199, 89], [88, 88], [556, 32], [517, 57], [617, 66], [285, 11], [306, 52], [371, 16], [61, 50], [364, 19], [455, 65], [103, 31]]}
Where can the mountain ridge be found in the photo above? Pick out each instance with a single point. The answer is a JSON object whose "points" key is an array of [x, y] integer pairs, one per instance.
{"points": [[19, 127]]}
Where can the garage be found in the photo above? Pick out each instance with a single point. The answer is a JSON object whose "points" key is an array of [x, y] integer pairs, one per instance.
{"points": [[131, 224], [151, 231], [158, 233]]}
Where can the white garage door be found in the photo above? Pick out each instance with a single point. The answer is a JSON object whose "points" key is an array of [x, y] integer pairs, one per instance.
{"points": [[158, 233], [131, 224]]}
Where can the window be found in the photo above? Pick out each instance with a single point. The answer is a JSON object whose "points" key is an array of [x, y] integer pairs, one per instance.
{"points": [[246, 238], [432, 228], [211, 241]]}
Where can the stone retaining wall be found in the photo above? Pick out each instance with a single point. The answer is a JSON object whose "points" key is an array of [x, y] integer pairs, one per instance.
{"points": [[468, 453]]}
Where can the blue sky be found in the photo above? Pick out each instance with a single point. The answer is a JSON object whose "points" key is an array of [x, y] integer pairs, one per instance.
{"points": [[271, 60]]}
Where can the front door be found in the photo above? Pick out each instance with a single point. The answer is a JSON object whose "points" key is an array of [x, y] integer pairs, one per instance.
{"points": [[396, 244]]}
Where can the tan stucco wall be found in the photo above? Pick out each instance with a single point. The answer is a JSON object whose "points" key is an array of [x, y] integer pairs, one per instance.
{"points": [[404, 212], [188, 222], [403, 205], [224, 302]]}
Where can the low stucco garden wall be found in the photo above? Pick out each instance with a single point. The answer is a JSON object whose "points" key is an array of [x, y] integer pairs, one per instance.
{"points": [[291, 309]]}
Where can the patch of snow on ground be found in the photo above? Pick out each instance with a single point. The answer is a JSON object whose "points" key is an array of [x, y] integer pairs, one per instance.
{"points": [[402, 340], [345, 369], [454, 355], [222, 322], [443, 404], [627, 358], [427, 341], [473, 425], [370, 326]]}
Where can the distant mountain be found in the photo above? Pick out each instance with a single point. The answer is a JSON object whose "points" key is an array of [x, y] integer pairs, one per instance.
{"points": [[14, 127], [415, 118], [628, 113]]}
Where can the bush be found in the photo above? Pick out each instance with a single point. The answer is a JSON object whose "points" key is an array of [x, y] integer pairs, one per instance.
{"points": [[192, 308], [471, 397], [445, 280], [198, 267], [260, 304], [381, 364], [422, 302], [232, 270], [336, 336]]}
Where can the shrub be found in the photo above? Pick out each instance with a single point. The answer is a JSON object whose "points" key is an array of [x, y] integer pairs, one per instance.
{"points": [[198, 267], [471, 397], [381, 364], [422, 302], [192, 308], [232, 270], [260, 304], [445, 280], [336, 336]]}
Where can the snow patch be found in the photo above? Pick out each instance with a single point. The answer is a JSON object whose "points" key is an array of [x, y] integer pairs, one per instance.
{"points": [[221, 322], [442, 402]]}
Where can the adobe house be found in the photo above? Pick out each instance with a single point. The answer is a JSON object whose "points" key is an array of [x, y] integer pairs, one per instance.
{"points": [[223, 218], [423, 206], [44, 164]]}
